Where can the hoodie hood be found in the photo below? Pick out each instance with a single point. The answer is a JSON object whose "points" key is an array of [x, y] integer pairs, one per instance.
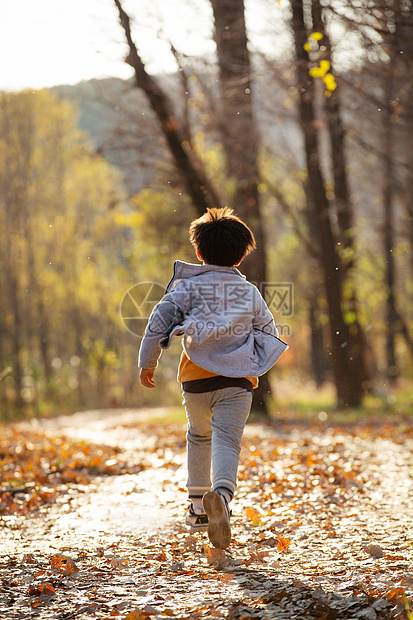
{"points": [[184, 270]]}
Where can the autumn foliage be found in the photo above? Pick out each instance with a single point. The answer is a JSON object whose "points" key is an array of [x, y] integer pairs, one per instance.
{"points": [[36, 467]]}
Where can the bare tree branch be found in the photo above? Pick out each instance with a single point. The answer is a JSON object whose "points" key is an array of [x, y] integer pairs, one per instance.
{"points": [[188, 164]]}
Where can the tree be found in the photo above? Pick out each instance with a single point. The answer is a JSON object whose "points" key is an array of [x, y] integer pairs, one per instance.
{"points": [[346, 340], [240, 138], [187, 162]]}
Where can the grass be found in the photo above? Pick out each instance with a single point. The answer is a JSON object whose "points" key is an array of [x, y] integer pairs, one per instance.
{"points": [[305, 402], [172, 415], [304, 397]]}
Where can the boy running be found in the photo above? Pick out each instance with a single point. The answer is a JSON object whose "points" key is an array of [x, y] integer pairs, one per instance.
{"points": [[229, 340]]}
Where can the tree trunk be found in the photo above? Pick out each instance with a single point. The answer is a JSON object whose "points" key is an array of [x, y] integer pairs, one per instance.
{"points": [[239, 136], [405, 28], [240, 141], [319, 357], [403, 58], [342, 195], [345, 351], [388, 238], [76, 323], [319, 366]]}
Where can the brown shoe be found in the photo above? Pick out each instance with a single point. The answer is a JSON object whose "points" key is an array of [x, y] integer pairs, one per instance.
{"points": [[219, 528]]}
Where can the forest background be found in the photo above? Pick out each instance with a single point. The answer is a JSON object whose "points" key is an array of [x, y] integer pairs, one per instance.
{"points": [[310, 141]]}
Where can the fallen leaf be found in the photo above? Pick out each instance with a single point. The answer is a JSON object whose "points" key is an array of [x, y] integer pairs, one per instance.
{"points": [[283, 543], [177, 567], [297, 583], [64, 564], [253, 515], [214, 555], [43, 590], [374, 550], [136, 615], [47, 589], [396, 594], [190, 543]]}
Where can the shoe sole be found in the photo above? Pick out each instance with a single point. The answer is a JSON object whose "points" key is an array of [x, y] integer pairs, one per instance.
{"points": [[219, 529]]}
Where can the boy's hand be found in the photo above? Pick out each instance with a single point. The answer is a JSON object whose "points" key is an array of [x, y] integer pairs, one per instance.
{"points": [[146, 377]]}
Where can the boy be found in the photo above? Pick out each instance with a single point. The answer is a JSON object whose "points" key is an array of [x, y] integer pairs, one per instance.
{"points": [[229, 340]]}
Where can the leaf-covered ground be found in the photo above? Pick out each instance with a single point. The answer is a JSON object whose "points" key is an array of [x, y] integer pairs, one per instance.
{"points": [[92, 522]]}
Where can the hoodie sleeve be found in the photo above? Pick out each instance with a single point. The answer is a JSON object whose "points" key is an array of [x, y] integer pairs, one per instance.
{"points": [[267, 344], [263, 320], [165, 316]]}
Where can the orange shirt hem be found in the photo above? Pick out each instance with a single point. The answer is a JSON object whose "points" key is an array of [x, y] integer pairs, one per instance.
{"points": [[188, 371]]}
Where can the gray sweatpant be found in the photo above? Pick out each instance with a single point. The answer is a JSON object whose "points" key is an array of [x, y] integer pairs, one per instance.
{"points": [[216, 421]]}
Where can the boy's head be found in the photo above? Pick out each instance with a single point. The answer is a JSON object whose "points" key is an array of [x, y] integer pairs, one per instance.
{"points": [[221, 238]]}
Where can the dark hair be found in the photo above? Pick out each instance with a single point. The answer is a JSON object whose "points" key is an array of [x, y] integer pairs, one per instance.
{"points": [[221, 237]]}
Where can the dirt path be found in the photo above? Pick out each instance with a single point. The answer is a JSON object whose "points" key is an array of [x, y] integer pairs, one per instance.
{"points": [[322, 529]]}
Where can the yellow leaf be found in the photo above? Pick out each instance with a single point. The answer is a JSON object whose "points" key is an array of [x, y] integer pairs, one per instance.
{"points": [[254, 515], [317, 36], [307, 47], [321, 70], [330, 82], [316, 72]]}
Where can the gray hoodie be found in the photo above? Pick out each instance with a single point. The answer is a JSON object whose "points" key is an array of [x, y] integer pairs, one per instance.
{"points": [[226, 325]]}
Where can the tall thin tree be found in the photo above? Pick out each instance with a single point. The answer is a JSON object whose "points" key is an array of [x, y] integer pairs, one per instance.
{"points": [[346, 347]]}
